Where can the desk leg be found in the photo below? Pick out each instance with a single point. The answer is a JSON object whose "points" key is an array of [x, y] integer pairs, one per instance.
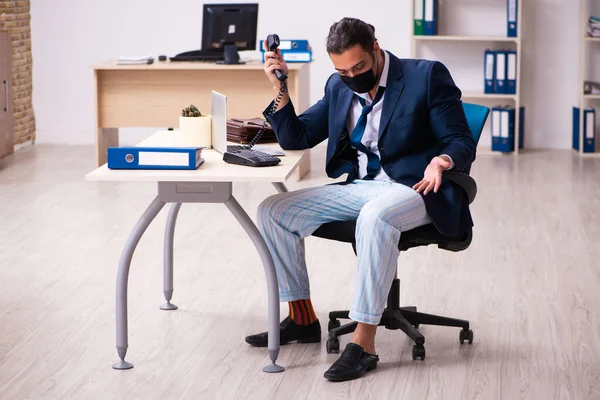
{"points": [[105, 138], [281, 188], [123, 276], [272, 286], [303, 167], [168, 257]]}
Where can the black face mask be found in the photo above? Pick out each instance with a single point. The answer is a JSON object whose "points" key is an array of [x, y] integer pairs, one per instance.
{"points": [[361, 83]]}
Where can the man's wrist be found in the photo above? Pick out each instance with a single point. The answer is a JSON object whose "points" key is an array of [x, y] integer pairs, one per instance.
{"points": [[447, 158]]}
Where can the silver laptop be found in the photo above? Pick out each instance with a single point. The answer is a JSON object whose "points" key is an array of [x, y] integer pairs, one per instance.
{"points": [[219, 122]]}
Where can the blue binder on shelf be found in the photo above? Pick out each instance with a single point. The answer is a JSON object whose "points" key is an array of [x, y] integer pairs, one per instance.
{"points": [[589, 130], [500, 76], [521, 127], [511, 18], [134, 157], [430, 20], [507, 129], [497, 143], [576, 128], [503, 128], [511, 72], [489, 70]]}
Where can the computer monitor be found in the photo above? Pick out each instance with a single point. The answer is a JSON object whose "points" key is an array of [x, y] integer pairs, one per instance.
{"points": [[229, 28]]}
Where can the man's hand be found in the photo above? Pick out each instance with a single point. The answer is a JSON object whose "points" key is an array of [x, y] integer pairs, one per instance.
{"points": [[273, 61], [432, 179]]}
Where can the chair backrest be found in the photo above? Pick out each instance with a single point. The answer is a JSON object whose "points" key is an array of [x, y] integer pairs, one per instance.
{"points": [[476, 117]]}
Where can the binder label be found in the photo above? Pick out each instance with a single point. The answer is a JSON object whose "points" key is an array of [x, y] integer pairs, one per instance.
{"points": [[589, 129], [489, 66], [418, 10], [146, 158], [429, 10], [512, 11], [504, 124], [512, 66], [496, 123], [500, 68]]}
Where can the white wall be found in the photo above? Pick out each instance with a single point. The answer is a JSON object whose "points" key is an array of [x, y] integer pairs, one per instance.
{"points": [[70, 35]]}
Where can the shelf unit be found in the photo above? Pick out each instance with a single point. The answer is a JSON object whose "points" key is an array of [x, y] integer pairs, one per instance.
{"points": [[470, 95], [586, 46]]}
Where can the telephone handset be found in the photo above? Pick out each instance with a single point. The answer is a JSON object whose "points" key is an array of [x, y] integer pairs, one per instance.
{"points": [[273, 44], [244, 155]]}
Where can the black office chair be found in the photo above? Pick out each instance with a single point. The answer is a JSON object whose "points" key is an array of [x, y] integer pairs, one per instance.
{"points": [[407, 318]]}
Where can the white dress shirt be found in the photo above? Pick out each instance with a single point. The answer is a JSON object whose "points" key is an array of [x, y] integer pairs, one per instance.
{"points": [[371, 136]]}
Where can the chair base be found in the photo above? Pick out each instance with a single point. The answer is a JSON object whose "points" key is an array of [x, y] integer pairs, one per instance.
{"points": [[395, 317]]}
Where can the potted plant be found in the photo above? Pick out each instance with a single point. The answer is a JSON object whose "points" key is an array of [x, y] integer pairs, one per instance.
{"points": [[195, 127]]}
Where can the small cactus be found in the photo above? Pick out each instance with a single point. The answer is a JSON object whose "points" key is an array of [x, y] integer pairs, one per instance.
{"points": [[191, 111]]}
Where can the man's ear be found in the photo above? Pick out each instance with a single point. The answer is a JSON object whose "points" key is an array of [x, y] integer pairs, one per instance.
{"points": [[376, 47]]}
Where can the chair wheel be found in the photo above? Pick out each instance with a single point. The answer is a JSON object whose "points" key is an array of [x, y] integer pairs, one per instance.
{"points": [[333, 346], [417, 326], [333, 323], [418, 352], [466, 335]]}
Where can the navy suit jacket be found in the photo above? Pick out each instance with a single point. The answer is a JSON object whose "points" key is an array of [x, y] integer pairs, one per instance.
{"points": [[422, 117]]}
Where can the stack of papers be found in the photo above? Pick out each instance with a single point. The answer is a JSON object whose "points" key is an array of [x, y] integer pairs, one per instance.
{"points": [[136, 60], [593, 27]]}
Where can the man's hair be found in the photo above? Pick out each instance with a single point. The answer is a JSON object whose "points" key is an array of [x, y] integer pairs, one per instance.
{"points": [[349, 32]]}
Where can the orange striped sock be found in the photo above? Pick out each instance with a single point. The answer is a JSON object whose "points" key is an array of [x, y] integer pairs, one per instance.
{"points": [[302, 312]]}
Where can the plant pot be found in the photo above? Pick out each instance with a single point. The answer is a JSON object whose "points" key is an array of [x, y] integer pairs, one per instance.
{"points": [[196, 131]]}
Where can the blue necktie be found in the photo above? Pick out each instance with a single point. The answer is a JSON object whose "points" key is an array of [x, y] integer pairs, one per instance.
{"points": [[358, 132]]}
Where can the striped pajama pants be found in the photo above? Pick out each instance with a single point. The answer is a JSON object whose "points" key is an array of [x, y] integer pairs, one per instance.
{"points": [[383, 211]]}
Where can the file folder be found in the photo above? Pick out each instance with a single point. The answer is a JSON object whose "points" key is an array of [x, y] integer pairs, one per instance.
{"points": [[500, 77], [430, 19], [419, 7], [511, 72], [511, 17], [589, 130], [576, 128], [489, 71], [134, 157]]}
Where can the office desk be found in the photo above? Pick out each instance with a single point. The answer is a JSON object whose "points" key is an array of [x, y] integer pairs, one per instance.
{"points": [[153, 95], [210, 183]]}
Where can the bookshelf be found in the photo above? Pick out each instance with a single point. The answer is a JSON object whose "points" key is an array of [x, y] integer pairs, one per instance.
{"points": [[588, 48], [493, 41]]}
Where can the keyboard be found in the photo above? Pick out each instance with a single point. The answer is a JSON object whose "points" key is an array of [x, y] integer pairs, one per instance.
{"points": [[242, 155], [199, 55]]}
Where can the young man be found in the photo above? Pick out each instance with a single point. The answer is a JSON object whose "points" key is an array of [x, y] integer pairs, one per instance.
{"points": [[393, 126]]}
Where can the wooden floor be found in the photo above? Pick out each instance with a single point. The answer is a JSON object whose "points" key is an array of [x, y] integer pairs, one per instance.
{"points": [[529, 284]]}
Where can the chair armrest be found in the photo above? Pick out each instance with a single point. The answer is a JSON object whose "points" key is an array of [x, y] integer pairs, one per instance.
{"points": [[464, 181]]}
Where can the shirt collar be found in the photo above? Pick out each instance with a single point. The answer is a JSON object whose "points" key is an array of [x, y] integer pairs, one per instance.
{"points": [[382, 80]]}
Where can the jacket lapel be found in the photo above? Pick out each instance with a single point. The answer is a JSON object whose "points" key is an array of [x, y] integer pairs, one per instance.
{"points": [[341, 112], [394, 87]]}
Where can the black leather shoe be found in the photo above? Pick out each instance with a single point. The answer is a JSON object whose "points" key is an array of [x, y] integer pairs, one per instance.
{"points": [[352, 364], [289, 332]]}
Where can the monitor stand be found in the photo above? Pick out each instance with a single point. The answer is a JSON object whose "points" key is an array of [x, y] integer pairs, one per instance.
{"points": [[230, 55]]}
